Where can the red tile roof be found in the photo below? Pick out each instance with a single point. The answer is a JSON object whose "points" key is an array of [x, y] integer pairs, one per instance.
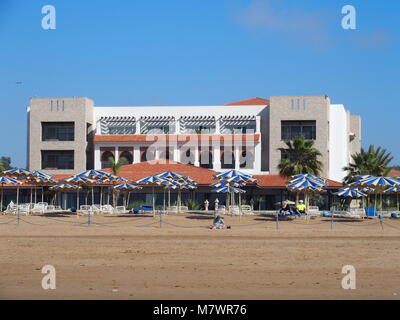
{"points": [[249, 102], [175, 137], [143, 169], [277, 181], [394, 173]]}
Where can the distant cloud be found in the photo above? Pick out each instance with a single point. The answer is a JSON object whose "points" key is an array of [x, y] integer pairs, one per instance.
{"points": [[295, 24]]}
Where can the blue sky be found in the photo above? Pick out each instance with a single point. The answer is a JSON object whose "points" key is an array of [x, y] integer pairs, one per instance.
{"points": [[178, 52]]}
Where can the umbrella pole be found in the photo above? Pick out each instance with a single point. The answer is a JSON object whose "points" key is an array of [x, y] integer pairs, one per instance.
{"points": [[164, 201], [92, 195], [154, 208], [1, 208], [42, 194], [101, 196], [18, 205], [240, 205], [169, 198], [77, 202], [35, 195], [30, 201], [398, 209]]}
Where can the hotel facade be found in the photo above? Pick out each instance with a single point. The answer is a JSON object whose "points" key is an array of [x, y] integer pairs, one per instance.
{"points": [[70, 135]]}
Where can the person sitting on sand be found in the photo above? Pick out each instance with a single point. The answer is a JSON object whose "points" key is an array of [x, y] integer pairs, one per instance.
{"points": [[219, 223], [285, 209], [301, 208]]}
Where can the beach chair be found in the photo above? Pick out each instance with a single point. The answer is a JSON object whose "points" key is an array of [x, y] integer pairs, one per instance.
{"points": [[120, 210], [39, 207], [96, 208], [11, 208], [24, 208], [107, 209], [84, 209], [172, 209], [314, 211], [234, 210], [183, 209], [246, 209]]}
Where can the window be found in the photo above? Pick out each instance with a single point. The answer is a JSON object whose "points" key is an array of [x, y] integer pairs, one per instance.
{"points": [[121, 129], [240, 129], [128, 157], [58, 131], [292, 129], [58, 159], [158, 129], [105, 163], [200, 129]]}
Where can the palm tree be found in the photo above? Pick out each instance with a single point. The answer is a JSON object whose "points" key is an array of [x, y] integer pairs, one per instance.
{"points": [[115, 167], [299, 157], [372, 162]]}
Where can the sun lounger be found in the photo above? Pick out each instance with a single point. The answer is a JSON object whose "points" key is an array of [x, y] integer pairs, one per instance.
{"points": [[246, 209], [234, 210], [107, 209], [120, 209], [314, 211], [39, 207]]}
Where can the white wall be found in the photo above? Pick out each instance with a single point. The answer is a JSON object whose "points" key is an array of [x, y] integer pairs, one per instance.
{"points": [[338, 141]]}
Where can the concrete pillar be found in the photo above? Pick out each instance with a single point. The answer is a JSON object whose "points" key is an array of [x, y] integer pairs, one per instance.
{"points": [[157, 154], [258, 124], [136, 154], [177, 126], [176, 153], [216, 156], [196, 156], [116, 154], [97, 160], [237, 153]]}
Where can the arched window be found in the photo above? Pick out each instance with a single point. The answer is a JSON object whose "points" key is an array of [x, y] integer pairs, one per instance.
{"points": [[147, 155], [227, 160], [128, 157], [247, 159], [104, 159], [206, 159], [187, 156], [166, 154]]}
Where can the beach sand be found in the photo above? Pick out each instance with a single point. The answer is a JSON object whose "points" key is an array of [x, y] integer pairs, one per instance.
{"points": [[131, 257]]}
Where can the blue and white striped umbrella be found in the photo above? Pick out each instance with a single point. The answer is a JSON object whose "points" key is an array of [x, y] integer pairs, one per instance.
{"points": [[41, 176], [239, 179], [225, 184], [64, 187], [232, 173], [23, 173], [377, 182], [6, 180], [309, 177], [394, 189], [172, 175], [79, 180], [306, 189], [304, 183], [155, 180], [228, 189], [127, 186], [94, 174], [350, 192]]}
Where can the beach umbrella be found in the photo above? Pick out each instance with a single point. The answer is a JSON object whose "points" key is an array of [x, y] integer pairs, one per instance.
{"points": [[306, 183], [154, 180], [79, 181], [230, 174], [378, 183], [18, 173], [127, 187], [228, 189], [65, 187], [350, 192], [6, 180]]}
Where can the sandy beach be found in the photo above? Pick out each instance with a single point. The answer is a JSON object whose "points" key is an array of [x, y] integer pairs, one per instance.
{"points": [[131, 257]]}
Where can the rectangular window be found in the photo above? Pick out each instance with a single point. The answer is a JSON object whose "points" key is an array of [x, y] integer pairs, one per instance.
{"points": [[58, 131], [291, 129], [57, 159]]}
